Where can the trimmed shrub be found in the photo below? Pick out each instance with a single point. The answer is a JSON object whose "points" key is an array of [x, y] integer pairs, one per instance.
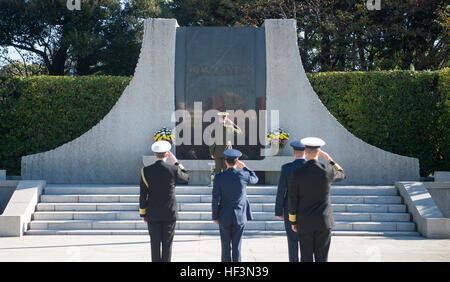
{"points": [[43, 112], [403, 112]]}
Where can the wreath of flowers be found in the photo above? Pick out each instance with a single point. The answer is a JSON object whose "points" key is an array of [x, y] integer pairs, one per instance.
{"points": [[164, 134], [278, 136]]}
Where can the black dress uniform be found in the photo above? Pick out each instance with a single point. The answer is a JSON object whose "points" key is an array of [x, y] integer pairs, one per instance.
{"points": [[310, 207], [158, 204]]}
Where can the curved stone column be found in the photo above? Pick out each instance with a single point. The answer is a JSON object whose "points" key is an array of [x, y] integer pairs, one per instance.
{"points": [[112, 150], [303, 114]]}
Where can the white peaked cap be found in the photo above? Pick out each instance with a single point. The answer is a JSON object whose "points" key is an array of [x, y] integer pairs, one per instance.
{"points": [[312, 142], [161, 147]]}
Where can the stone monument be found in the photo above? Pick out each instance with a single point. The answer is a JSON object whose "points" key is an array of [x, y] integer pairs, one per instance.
{"points": [[225, 69]]}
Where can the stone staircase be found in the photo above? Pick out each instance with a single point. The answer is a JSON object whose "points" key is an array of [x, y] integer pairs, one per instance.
{"points": [[113, 209]]}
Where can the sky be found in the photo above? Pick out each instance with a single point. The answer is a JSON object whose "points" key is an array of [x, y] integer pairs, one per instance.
{"points": [[12, 54]]}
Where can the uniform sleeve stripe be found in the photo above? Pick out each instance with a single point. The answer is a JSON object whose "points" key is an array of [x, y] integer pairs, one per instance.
{"points": [[292, 217], [338, 167], [143, 178]]}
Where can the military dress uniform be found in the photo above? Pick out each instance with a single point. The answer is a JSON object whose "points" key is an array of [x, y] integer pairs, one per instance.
{"points": [[157, 202], [217, 148], [310, 205], [281, 203], [231, 207]]}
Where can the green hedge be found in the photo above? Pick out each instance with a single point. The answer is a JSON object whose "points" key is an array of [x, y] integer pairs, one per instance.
{"points": [[43, 112], [399, 111], [403, 112]]}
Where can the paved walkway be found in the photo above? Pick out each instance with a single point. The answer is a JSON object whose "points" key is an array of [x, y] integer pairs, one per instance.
{"points": [[189, 248]]}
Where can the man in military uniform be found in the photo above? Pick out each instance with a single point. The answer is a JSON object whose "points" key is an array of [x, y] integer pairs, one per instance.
{"points": [[310, 211], [157, 203], [217, 148], [230, 206], [281, 203]]}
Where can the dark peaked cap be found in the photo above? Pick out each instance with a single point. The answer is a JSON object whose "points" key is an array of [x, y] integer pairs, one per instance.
{"points": [[297, 145], [232, 154]]}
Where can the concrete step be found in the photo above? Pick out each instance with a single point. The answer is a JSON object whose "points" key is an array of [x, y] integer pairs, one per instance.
{"points": [[145, 232], [208, 225], [131, 215], [134, 190], [139, 224], [208, 198], [342, 207], [185, 215], [266, 207], [399, 208], [207, 190], [87, 207], [135, 198], [214, 232], [86, 189], [364, 190], [373, 217]]}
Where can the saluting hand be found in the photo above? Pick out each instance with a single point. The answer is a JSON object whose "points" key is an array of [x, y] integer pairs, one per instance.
{"points": [[325, 156], [172, 157], [240, 164], [216, 221]]}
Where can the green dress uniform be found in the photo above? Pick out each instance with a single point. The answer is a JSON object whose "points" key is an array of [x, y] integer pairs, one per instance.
{"points": [[217, 150]]}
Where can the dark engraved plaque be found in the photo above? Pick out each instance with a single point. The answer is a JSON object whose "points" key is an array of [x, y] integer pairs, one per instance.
{"points": [[223, 68]]}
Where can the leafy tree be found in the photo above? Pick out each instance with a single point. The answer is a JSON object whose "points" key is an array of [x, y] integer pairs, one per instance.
{"points": [[206, 12], [123, 36], [16, 68], [25, 68], [82, 42], [342, 35], [105, 36]]}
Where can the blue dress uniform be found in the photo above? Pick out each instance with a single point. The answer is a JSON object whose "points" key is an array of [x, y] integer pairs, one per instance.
{"points": [[281, 204], [231, 207]]}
